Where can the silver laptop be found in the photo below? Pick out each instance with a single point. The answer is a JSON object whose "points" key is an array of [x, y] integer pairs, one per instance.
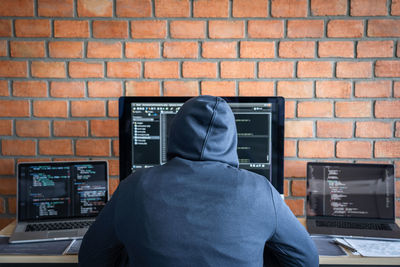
{"points": [[346, 199], [58, 200]]}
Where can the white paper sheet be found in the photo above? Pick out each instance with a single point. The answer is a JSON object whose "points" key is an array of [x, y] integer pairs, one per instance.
{"points": [[375, 248]]}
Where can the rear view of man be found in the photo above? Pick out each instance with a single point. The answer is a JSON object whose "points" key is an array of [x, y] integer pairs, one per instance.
{"points": [[198, 209]]}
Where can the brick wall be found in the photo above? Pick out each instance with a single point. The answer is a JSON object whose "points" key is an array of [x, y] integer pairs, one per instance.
{"points": [[63, 65]]}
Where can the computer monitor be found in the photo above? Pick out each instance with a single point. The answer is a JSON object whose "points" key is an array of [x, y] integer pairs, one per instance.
{"points": [[144, 124]]}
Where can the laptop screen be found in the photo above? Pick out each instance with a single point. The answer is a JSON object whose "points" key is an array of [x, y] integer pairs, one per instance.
{"points": [[350, 190], [61, 190]]}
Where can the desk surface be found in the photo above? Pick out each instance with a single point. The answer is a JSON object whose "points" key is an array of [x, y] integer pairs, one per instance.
{"points": [[342, 260]]}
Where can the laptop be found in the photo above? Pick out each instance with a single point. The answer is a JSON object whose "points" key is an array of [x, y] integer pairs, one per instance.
{"points": [[58, 200], [353, 200]]}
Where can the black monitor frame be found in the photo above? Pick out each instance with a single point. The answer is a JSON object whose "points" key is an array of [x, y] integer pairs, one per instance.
{"points": [[278, 119]]}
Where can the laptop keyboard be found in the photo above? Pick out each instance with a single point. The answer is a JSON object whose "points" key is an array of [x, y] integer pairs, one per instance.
{"points": [[57, 226], [354, 225]]}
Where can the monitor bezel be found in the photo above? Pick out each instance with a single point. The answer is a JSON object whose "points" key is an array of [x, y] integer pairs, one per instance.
{"points": [[125, 151]]}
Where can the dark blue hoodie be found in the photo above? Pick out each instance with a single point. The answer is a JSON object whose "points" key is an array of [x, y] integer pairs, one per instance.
{"points": [[199, 209]]}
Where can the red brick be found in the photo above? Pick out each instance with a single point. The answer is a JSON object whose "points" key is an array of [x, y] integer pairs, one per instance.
{"points": [[383, 28], [86, 70], [12, 205], [4, 221], [387, 109], [237, 69], [245, 8], [296, 49], [10, 68], [387, 149], [3, 48], [220, 29], [373, 89], [366, 49], [50, 108], [142, 50], [314, 69], [61, 147], [112, 106], [113, 165], [110, 29], [18, 147], [172, 8], [265, 28], [32, 28], [296, 206], [333, 89], [257, 49], [334, 129], [134, 88], [148, 29], [305, 28], [43, 69], [289, 8], [353, 149], [123, 69], [368, 8], [64, 49], [373, 129], [113, 184], [299, 188], [8, 185], [161, 69], [6, 127], [347, 69], [218, 88], [316, 149], [29, 89], [133, 9], [59, 8], [104, 50], [390, 68], [328, 8], [71, 29], [290, 109], [298, 129], [5, 28], [92, 147], [14, 108], [211, 8], [98, 8], [219, 49], [192, 69], [315, 109], [104, 89], [27, 49], [345, 28], [88, 108], [32, 128], [180, 50], [4, 88], [396, 89], [6, 168], [181, 88], [343, 49], [17, 8], [67, 89], [290, 148], [285, 188], [295, 168], [187, 29], [104, 128], [276, 69], [295, 89], [397, 130], [353, 109], [395, 8], [398, 49], [69, 128], [256, 88]]}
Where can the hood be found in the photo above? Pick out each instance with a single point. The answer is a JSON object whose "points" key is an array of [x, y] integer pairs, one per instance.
{"points": [[204, 129]]}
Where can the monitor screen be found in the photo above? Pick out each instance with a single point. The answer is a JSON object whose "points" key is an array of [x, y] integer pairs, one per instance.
{"points": [[144, 123], [61, 189]]}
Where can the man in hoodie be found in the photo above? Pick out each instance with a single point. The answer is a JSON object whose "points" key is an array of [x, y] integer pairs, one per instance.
{"points": [[198, 209]]}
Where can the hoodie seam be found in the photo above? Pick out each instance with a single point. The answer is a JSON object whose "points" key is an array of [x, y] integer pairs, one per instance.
{"points": [[210, 126]]}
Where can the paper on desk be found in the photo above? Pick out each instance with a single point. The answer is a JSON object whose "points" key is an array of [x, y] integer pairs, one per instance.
{"points": [[375, 248]]}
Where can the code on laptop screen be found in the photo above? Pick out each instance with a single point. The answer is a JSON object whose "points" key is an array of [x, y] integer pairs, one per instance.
{"points": [[350, 190], [61, 190]]}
